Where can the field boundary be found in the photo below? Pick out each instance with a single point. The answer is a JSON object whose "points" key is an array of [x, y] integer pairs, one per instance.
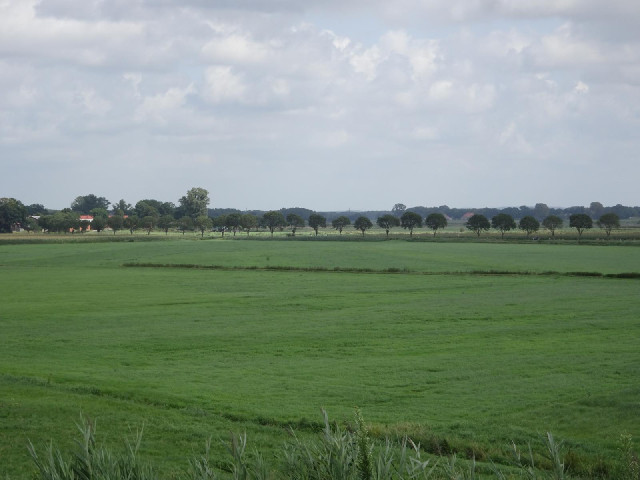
{"points": [[390, 270]]}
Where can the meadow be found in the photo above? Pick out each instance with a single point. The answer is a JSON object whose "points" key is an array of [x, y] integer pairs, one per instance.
{"points": [[412, 333]]}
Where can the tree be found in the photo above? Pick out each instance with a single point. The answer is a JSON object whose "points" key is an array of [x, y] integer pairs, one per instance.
{"points": [[185, 224], [581, 222], [203, 223], [387, 222], [36, 209], [529, 224], [248, 221], [99, 212], [147, 208], [86, 203], [477, 223], [122, 206], [165, 222], [12, 212], [398, 209], [84, 225], [30, 224], [273, 220], [294, 221], [148, 223], [131, 223], [362, 224], [98, 223], [316, 221], [503, 222], [540, 211], [233, 222], [64, 221], [552, 223], [608, 222], [195, 202], [410, 220], [115, 223], [340, 222], [596, 209], [436, 221], [167, 208]]}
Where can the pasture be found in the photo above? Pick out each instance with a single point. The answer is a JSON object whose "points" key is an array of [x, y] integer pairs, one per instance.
{"points": [[433, 350]]}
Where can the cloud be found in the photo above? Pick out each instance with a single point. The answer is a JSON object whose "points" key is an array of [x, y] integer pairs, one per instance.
{"points": [[277, 87], [235, 49], [223, 85]]}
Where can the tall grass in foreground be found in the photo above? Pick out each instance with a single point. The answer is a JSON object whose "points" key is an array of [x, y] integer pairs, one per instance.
{"points": [[337, 454]]}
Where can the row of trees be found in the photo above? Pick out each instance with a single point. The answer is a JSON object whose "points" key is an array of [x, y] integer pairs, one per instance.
{"points": [[192, 213], [505, 223], [274, 220]]}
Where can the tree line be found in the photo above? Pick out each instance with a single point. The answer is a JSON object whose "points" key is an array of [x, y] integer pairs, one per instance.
{"points": [[192, 214]]}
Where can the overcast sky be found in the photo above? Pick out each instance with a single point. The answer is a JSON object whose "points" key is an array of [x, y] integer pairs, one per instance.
{"points": [[323, 104]]}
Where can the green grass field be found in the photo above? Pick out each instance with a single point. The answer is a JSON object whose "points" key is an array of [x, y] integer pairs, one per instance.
{"points": [[478, 360]]}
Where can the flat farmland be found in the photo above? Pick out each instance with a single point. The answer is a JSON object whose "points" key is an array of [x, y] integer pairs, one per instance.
{"points": [[478, 360]]}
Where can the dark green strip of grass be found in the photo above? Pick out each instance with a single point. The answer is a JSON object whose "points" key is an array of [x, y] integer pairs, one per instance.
{"points": [[391, 270]]}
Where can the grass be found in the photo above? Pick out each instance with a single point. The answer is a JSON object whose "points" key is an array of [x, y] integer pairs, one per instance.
{"points": [[465, 361]]}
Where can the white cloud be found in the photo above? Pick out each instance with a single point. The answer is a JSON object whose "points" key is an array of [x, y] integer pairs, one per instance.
{"points": [[581, 87], [223, 85], [163, 107], [430, 86], [235, 49]]}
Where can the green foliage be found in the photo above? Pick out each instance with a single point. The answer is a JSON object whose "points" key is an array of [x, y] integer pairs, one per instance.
{"points": [[387, 222], [316, 221], [165, 222], [85, 203], [436, 221], [36, 209], [398, 209], [629, 468], [294, 221], [273, 220], [131, 223], [340, 222], [410, 220], [30, 224], [123, 207], [99, 223], [203, 223], [336, 454], [91, 461], [477, 223], [364, 463], [503, 223], [194, 203], [363, 224], [115, 223], [608, 222], [581, 222], [147, 208], [232, 222], [99, 212], [248, 222], [12, 212], [148, 223], [185, 224], [529, 225], [552, 223]]}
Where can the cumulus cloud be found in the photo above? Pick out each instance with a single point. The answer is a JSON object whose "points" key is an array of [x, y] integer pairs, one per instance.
{"points": [[209, 89]]}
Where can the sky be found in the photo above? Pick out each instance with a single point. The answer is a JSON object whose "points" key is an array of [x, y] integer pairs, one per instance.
{"points": [[328, 105]]}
